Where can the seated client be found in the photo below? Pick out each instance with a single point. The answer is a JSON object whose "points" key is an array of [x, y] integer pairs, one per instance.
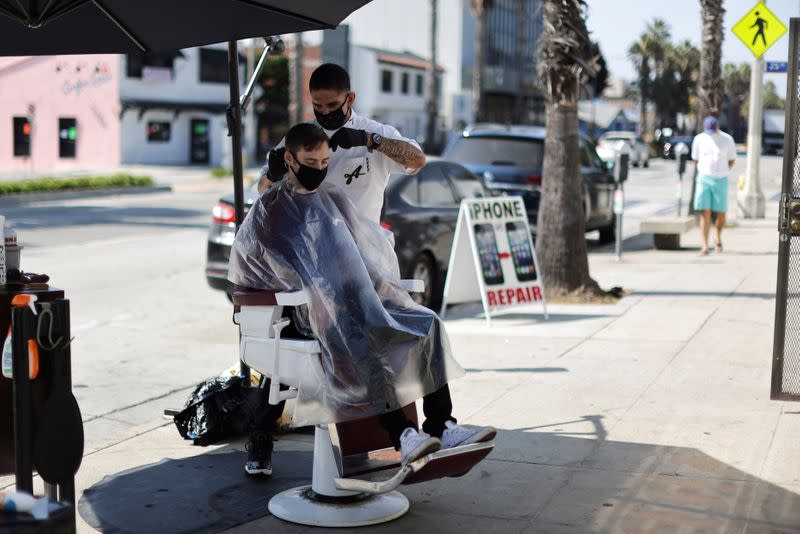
{"points": [[380, 350]]}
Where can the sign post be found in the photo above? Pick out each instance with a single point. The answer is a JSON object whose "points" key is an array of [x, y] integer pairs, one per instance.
{"points": [[758, 30], [493, 258]]}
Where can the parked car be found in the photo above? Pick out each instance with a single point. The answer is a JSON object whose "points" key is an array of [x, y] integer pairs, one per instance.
{"points": [[672, 144], [220, 238], [509, 160], [639, 151], [420, 210]]}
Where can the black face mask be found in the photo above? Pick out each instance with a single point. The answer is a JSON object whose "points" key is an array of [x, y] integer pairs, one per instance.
{"points": [[309, 177], [333, 120]]}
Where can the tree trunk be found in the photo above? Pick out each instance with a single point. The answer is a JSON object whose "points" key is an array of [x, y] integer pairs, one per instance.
{"points": [[433, 88], [710, 83], [561, 228], [642, 111]]}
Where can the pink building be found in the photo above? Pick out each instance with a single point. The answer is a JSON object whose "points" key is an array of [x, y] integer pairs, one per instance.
{"points": [[59, 113]]}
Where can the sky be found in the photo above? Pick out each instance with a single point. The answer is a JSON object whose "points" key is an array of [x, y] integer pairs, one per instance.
{"points": [[617, 23]]}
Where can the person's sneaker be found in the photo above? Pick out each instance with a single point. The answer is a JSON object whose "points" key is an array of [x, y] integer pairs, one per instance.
{"points": [[259, 454], [455, 435], [414, 445]]}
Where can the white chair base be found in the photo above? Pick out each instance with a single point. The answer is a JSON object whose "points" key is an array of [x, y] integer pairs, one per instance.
{"points": [[296, 506]]}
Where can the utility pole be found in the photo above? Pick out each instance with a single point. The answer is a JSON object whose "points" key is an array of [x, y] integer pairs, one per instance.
{"points": [[433, 84], [250, 119], [296, 81], [751, 202]]}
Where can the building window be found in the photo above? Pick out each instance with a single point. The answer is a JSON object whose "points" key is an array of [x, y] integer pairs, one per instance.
{"points": [[420, 84], [158, 131], [134, 63], [404, 80], [386, 81], [22, 137], [67, 137], [213, 66]]}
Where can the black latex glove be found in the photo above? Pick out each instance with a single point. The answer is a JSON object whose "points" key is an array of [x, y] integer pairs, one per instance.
{"points": [[348, 138], [276, 166]]}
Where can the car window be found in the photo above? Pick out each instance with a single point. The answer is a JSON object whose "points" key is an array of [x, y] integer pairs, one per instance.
{"points": [[498, 151], [410, 190], [434, 190], [467, 185]]}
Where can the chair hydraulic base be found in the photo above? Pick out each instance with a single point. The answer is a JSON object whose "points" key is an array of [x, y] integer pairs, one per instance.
{"points": [[300, 505]]}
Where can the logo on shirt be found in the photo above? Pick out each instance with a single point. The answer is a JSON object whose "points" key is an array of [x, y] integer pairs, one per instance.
{"points": [[355, 174]]}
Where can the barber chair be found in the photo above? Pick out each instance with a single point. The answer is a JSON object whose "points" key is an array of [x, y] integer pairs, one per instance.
{"points": [[356, 471]]}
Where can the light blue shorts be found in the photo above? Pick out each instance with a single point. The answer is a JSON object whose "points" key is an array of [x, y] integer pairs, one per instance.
{"points": [[711, 193]]}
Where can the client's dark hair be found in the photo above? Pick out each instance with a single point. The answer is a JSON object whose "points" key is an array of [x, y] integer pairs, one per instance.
{"points": [[329, 76], [306, 136]]}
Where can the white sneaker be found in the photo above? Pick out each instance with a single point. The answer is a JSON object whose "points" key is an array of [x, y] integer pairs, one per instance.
{"points": [[455, 435], [414, 445]]}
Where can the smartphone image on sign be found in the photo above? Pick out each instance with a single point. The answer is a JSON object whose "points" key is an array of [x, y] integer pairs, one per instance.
{"points": [[489, 255], [521, 251]]}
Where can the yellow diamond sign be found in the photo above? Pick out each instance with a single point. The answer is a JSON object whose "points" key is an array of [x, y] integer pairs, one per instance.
{"points": [[759, 29]]}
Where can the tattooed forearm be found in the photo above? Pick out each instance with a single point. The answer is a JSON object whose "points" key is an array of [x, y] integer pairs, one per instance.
{"points": [[403, 153]]}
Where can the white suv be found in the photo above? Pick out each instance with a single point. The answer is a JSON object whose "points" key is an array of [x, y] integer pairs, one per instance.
{"points": [[640, 153]]}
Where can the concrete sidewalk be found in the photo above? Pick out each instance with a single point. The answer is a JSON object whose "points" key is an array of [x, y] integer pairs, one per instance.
{"points": [[651, 415]]}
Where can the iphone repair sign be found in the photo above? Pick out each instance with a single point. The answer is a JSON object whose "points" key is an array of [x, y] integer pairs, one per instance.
{"points": [[493, 259]]}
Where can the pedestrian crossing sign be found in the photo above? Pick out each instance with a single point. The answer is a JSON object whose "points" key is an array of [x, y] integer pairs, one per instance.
{"points": [[759, 29]]}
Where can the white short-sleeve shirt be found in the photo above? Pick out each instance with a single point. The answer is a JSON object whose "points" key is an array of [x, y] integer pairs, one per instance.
{"points": [[712, 152], [362, 174]]}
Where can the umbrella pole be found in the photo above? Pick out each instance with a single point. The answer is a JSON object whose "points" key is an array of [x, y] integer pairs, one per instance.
{"points": [[234, 117]]}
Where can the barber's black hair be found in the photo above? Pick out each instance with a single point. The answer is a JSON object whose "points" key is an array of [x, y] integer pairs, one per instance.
{"points": [[306, 136], [329, 76]]}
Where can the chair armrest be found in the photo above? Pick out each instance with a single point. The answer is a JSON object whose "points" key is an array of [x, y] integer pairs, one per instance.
{"points": [[413, 286], [255, 297], [292, 298]]}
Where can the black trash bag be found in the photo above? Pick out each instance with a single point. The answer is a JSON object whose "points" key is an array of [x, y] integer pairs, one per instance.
{"points": [[220, 408]]}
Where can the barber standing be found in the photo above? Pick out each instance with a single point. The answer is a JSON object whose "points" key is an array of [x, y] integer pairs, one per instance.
{"points": [[364, 154]]}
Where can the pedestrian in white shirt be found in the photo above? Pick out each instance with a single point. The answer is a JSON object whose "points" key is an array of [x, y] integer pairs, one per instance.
{"points": [[714, 153], [364, 152]]}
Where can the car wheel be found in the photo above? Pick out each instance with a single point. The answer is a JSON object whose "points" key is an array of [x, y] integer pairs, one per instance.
{"points": [[422, 268], [608, 234], [646, 163], [635, 164]]}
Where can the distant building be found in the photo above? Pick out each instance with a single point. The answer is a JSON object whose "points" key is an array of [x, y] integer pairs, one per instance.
{"points": [[512, 30], [173, 107], [58, 113], [393, 88], [73, 113]]}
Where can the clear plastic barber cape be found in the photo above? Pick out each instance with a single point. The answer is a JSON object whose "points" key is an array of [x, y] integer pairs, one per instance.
{"points": [[380, 350]]}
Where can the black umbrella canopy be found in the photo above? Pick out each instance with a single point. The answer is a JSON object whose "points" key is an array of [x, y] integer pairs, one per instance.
{"points": [[44, 27]]}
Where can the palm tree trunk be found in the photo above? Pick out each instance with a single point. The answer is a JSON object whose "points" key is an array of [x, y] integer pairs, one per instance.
{"points": [[642, 110], [479, 9], [561, 228], [710, 84]]}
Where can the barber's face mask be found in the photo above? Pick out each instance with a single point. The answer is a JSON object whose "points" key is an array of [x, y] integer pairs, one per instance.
{"points": [[309, 177], [333, 120]]}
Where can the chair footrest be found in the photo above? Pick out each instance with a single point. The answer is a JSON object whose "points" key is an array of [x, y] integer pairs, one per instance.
{"points": [[453, 462]]}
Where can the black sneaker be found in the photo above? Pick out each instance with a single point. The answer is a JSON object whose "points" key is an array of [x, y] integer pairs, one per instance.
{"points": [[259, 454]]}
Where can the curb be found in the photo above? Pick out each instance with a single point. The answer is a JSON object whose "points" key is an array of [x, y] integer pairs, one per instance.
{"points": [[27, 198]]}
